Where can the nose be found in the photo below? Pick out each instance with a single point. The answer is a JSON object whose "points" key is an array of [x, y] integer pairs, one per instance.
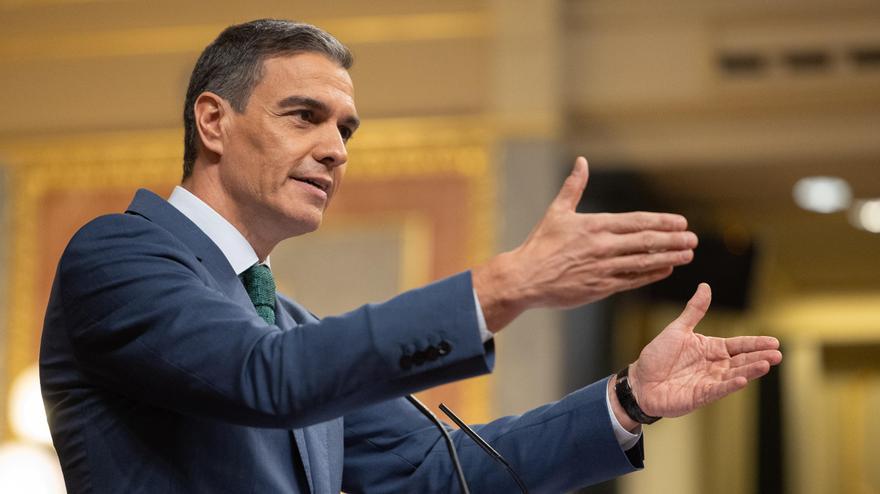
{"points": [[330, 149]]}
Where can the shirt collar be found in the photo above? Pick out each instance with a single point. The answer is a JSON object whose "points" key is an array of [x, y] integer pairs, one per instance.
{"points": [[231, 242]]}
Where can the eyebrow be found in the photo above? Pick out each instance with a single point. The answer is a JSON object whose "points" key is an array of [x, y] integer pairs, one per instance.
{"points": [[353, 122]]}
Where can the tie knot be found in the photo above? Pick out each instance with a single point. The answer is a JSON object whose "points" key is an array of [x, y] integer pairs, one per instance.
{"points": [[260, 288]]}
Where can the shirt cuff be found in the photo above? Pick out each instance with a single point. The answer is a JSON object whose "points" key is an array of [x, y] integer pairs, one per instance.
{"points": [[625, 438], [485, 334]]}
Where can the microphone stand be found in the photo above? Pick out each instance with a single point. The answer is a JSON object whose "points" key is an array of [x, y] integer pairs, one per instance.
{"points": [[486, 447], [449, 445]]}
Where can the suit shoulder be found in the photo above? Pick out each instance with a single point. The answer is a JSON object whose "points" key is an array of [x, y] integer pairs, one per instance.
{"points": [[114, 235], [121, 227], [113, 224]]}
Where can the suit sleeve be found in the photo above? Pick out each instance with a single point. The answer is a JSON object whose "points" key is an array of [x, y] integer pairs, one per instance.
{"points": [[555, 448], [145, 322]]}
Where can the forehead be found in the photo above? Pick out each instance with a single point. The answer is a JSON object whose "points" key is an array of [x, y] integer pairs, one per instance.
{"points": [[305, 74]]}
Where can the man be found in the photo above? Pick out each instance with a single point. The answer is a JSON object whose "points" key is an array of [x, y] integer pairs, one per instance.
{"points": [[169, 365]]}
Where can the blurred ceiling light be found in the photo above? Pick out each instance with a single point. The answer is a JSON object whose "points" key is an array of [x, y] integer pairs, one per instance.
{"points": [[29, 468], [865, 215], [26, 412], [822, 194]]}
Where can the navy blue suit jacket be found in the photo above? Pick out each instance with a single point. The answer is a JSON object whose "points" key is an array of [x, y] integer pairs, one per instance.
{"points": [[159, 377]]}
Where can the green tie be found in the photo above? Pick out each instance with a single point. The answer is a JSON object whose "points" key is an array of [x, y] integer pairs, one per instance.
{"points": [[260, 288]]}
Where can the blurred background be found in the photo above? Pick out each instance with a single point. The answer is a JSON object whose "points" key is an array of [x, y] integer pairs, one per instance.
{"points": [[758, 120]]}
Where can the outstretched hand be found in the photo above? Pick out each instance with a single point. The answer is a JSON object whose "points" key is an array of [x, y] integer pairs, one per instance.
{"points": [[572, 258], [680, 371]]}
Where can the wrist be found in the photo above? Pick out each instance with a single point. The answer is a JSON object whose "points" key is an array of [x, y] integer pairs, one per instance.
{"points": [[624, 390], [498, 291], [619, 413]]}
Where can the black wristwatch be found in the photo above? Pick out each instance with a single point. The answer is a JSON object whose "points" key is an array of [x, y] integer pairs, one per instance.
{"points": [[626, 398]]}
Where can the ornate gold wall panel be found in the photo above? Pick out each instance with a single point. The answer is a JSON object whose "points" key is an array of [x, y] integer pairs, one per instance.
{"points": [[438, 170]]}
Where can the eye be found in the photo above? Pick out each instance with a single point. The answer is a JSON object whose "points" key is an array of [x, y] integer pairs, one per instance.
{"points": [[306, 115], [345, 132]]}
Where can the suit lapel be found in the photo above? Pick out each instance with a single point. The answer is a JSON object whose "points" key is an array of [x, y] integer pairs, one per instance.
{"points": [[157, 210], [311, 442]]}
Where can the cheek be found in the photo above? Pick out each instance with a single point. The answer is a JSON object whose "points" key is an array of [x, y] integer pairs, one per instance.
{"points": [[234, 175], [272, 173], [338, 175], [246, 163]]}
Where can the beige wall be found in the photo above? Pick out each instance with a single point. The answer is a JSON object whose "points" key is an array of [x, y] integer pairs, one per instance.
{"points": [[74, 66]]}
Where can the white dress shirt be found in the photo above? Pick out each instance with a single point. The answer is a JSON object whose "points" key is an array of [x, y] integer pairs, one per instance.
{"points": [[241, 256]]}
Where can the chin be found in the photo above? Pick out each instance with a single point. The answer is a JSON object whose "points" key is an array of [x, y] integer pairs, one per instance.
{"points": [[302, 224]]}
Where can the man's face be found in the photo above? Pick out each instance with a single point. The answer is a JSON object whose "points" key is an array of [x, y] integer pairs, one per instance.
{"points": [[284, 156]]}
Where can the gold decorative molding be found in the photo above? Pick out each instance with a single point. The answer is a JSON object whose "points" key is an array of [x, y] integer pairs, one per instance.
{"points": [[106, 161], [415, 247], [193, 38]]}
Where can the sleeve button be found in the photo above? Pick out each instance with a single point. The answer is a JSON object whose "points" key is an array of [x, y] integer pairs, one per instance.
{"points": [[444, 347], [419, 357], [406, 362], [432, 353]]}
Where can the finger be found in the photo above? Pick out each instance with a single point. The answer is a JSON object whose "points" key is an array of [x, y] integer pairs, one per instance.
{"points": [[773, 357], [641, 263], [741, 344], [716, 391], [696, 308], [630, 281], [650, 241], [640, 221], [573, 188], [751, 371]]}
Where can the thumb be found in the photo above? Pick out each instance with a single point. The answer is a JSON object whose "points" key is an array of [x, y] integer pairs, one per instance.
{"points": [[573, 188], [696, 308]]}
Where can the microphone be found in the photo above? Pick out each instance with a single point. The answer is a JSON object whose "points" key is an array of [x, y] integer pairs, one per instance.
{"points": [[483, 444], [449, 445]]}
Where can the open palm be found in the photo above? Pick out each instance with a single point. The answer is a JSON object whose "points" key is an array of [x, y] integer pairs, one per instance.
{"points": [[680, 371]]}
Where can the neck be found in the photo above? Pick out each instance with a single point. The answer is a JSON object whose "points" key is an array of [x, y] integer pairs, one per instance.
{"points": [[208, 189]]}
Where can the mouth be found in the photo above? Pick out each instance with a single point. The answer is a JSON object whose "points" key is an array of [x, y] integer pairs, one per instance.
{"points": [[319, 183]]}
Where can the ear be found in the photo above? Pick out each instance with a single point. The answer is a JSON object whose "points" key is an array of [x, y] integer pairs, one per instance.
{"points": [[210, 112]]}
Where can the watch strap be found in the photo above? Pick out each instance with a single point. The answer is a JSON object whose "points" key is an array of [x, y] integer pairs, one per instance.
{"points": [[628, 400]]}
